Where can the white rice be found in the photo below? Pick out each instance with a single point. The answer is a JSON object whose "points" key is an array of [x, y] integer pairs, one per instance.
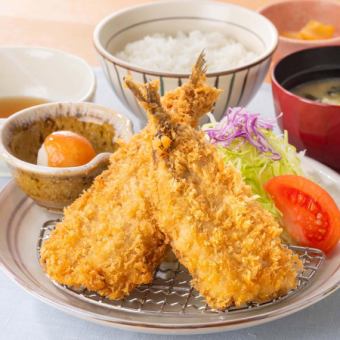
{"points": [[177, 54]]}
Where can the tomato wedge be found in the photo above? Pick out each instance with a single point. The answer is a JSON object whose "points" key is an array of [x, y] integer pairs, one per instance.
{"points": [[310, 215]]}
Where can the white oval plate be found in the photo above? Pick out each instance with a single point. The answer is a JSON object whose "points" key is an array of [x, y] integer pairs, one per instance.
{"points": [[19, 231]]}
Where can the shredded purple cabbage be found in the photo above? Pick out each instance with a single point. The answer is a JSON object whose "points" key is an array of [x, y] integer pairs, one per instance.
{"points": [[238, 123]]}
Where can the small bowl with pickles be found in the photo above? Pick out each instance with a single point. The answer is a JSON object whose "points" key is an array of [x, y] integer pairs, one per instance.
{"points": [[55, 150]]}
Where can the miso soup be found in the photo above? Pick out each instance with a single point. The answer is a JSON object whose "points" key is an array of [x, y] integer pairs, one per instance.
{"points": [[322, 90]]}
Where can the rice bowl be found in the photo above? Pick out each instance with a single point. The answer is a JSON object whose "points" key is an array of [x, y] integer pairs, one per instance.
{"points": [[239, 83]]}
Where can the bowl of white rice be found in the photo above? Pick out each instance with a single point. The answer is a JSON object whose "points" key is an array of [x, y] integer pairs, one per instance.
{"points": [[162, 41]]}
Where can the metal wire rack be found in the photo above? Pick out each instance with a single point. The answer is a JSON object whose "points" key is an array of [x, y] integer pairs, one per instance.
{"points": [[171, 292]]}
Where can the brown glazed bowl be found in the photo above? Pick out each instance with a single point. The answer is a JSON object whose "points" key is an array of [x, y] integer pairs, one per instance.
{"points": [[24, 132]]}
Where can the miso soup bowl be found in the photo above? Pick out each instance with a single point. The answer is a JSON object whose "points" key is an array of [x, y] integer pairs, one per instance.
{"points": [[312, 126], [24, 132]]}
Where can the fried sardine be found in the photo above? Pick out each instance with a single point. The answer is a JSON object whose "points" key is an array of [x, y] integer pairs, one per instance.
{"points": [[229, 243], [109, 241], [168, 185]]}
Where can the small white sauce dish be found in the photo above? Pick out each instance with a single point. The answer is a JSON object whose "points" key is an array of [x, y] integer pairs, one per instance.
{"points": [[45, 73]]}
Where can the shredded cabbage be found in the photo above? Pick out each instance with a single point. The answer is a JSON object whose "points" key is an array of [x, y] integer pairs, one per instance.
{"points": [[248, 142]]}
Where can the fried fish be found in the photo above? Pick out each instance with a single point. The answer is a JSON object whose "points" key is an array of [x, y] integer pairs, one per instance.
{"points": [[109, 241], [228, 242]]}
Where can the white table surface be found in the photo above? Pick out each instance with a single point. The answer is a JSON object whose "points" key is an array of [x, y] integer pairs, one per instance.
{"points": [[24, 317]]}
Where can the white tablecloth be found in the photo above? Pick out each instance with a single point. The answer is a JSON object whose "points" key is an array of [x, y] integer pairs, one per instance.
{"points": [[24, 317]]}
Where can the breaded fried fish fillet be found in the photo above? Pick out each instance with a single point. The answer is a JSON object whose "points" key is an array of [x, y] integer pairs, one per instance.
{"points": [[218, 231], [168, 185], [109, 241]]}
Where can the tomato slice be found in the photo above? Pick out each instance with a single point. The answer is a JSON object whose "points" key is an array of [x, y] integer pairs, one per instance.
{"points": [[310, 214]]}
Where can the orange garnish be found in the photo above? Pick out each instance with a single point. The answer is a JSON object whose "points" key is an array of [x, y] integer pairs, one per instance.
{"points": [[313, 30]]}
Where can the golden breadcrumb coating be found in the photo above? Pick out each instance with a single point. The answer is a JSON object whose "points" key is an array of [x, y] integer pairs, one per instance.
{"points": [[109, 241], [188, 103], [229, 243], [169, 186], [218, 231]]}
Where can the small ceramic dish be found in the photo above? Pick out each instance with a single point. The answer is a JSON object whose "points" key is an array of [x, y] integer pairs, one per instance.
{"points": [[292, 15], [24, 132], [239, 84]]}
